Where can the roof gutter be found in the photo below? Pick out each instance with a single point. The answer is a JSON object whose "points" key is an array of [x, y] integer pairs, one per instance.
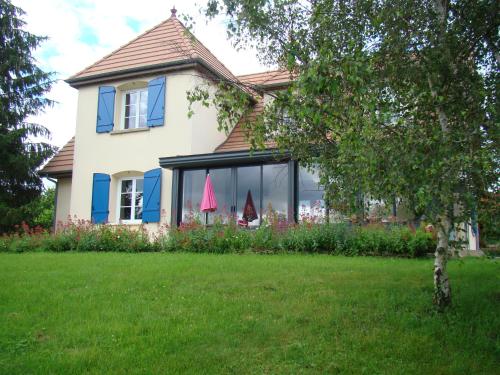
{"points": [[131, 72], [140, 71], [224, 158]]}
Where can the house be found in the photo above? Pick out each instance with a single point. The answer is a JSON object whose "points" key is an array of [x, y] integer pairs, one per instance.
{"points": [[137, 158]]}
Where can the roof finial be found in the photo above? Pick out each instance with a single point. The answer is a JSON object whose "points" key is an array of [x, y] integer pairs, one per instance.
{"points": [[174, 12]]}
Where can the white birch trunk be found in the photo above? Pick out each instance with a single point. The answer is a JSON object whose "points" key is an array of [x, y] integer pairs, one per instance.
{"points": [[442, 289]]}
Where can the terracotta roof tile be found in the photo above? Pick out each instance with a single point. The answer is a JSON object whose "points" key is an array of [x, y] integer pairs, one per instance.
{"points": [[62, 162], [275, 77], [237, 140], [169, 41]]}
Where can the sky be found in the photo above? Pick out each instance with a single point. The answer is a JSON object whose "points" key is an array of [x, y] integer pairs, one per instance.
{"points": [[80, 32]]}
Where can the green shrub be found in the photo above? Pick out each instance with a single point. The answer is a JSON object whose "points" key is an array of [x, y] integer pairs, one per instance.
{"points": [[228, 238]]}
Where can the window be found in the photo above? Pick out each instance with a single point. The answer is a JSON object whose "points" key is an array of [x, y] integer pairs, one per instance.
{"points": [[275, 191], [249, 192], [135, 103], [131, 199], [222, 183], [193, 184], [311, 201]]}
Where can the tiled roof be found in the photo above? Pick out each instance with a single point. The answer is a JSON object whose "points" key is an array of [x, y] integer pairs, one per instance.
{"points": [[236, 140], [62, 162], [167, 42], [271, 78]]}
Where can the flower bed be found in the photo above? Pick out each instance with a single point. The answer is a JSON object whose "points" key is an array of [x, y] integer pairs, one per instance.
{"points": [[227, 238]]}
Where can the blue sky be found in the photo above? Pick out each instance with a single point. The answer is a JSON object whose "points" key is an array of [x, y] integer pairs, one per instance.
{"points": [[81, 32]]}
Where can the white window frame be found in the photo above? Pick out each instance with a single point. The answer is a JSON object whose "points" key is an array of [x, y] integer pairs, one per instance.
{"points": [[133, 206], [138, 105]]}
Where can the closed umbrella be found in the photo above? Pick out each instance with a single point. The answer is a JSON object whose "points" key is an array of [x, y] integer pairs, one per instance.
{"points": [[208, 202], [249, 211]]}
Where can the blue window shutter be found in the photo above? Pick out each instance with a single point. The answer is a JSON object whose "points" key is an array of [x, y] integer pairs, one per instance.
{"points": [[156, 102], [152, 195], [100, 198], [105, 109]]}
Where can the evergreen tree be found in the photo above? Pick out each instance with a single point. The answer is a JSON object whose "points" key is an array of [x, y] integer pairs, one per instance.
{"points": [[22, 89]]}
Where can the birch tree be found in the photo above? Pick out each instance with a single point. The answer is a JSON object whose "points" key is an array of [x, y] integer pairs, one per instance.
{"points": [[396, 98]]}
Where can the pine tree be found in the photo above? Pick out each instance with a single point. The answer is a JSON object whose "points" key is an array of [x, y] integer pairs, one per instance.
{"points": [[22, 89]]}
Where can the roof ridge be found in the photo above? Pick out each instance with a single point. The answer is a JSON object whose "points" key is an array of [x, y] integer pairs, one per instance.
{"points": [[223, 65], [122, 46], [185, 40], [264, 72]]}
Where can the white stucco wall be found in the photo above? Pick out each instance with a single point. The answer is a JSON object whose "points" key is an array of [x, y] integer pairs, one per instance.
{"points": [[63, 199], [133, 153]]}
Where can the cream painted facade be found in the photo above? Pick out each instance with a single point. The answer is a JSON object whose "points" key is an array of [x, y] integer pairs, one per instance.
{"points": [[130, 153], [63, 199]]}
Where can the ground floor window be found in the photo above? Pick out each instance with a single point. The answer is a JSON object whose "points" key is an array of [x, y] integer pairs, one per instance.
{"points": [[275, 191], [258, 189], [311, 201], [248, 194], [130, 199]]}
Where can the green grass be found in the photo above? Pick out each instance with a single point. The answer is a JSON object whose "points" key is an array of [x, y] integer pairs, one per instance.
{"points": [[109, 313]]}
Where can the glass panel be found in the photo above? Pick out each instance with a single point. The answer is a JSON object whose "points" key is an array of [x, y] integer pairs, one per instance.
{"points": [[142, 121], [248, 188], [311, 202], [221, 181], [138, 200], [131, 110], [193, 184], [139, 185], [126, 200], [125, 213], [128, 123], [143, 105], [132, 97], [275, 191], [138, 213], [126, 186], [127, 99]]}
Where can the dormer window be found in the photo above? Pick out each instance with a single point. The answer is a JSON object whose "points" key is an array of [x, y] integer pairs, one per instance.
{"points": [[135, 107]]}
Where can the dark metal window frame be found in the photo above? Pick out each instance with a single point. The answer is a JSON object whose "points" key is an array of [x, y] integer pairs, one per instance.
{"points": [[229, 160]]}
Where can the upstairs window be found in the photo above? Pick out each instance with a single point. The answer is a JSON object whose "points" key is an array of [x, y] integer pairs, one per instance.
{"points": [[131, 199], [135, 109]]}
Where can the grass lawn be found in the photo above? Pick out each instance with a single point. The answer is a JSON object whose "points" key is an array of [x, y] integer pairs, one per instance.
{"points": [[109, 313]]}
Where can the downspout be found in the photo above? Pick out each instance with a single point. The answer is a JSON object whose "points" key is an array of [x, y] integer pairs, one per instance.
{"points": [[55, 202]]}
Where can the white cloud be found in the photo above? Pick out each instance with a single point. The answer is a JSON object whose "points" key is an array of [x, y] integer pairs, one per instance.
{"points": [[70, 23]]}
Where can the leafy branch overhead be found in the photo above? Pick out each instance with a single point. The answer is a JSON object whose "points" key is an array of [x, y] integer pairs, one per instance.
{"points": [[390, 98]]}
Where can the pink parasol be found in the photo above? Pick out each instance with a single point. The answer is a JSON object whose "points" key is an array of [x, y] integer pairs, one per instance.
{"points": [[208, 202]]}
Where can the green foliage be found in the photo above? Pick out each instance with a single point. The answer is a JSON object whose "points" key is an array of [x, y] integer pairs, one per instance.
{"points": [[340, 239], [80, 236], [337, 239], [198, 238], [391, 98], [40, 211], [489, 218], [22, 89]]}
